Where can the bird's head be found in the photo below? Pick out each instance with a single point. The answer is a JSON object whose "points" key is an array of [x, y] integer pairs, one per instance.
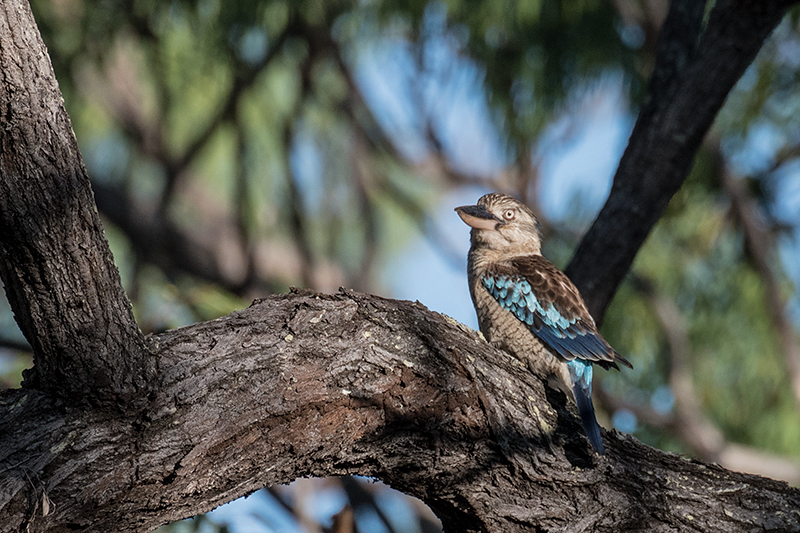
{"points": [[502, 223]]}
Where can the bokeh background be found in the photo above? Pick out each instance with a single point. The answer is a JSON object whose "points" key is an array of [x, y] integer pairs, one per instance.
{"points": [[240, 148]]}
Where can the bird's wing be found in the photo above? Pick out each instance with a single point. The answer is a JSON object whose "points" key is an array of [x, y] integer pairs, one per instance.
{"points": [[545, 299]]}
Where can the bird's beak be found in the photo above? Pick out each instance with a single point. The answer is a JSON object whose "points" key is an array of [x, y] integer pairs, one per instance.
{"points": [[479, 217]]}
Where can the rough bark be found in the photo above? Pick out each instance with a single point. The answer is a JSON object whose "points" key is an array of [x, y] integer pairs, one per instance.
{"points": [[695, 69], [297, 385], [55, 263], [319, 385]]}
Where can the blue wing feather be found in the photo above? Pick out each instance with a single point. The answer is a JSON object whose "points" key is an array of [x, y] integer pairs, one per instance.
{"points": [[567, 336]]}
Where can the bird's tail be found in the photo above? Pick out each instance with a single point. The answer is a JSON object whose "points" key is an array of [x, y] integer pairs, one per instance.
{"points": [[585, 408]]}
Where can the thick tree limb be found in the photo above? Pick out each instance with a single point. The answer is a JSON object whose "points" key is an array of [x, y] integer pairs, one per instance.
{"points": [[73, 312], [316, 385], [693, 74]]}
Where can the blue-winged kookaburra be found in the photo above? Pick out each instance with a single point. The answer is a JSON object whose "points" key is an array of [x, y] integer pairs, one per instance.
{"points": [[529, 308]]}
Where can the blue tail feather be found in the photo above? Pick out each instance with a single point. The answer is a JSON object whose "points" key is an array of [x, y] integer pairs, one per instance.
{"points": [[586, 410]]}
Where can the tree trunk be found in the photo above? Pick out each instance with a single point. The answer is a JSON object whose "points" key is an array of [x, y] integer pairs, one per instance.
{"points": [[297, 385], [697, 64]]}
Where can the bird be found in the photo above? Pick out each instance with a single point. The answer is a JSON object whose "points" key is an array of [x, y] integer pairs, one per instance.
{"points": [[528, 307]]}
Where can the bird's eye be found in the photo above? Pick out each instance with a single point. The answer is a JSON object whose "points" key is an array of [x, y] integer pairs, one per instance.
{"points": [[509, 214]]}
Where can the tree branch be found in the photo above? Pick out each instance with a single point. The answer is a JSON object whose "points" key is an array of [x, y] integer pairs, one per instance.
{"points": [[393, 391], [55, 263], [688, 86]]}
